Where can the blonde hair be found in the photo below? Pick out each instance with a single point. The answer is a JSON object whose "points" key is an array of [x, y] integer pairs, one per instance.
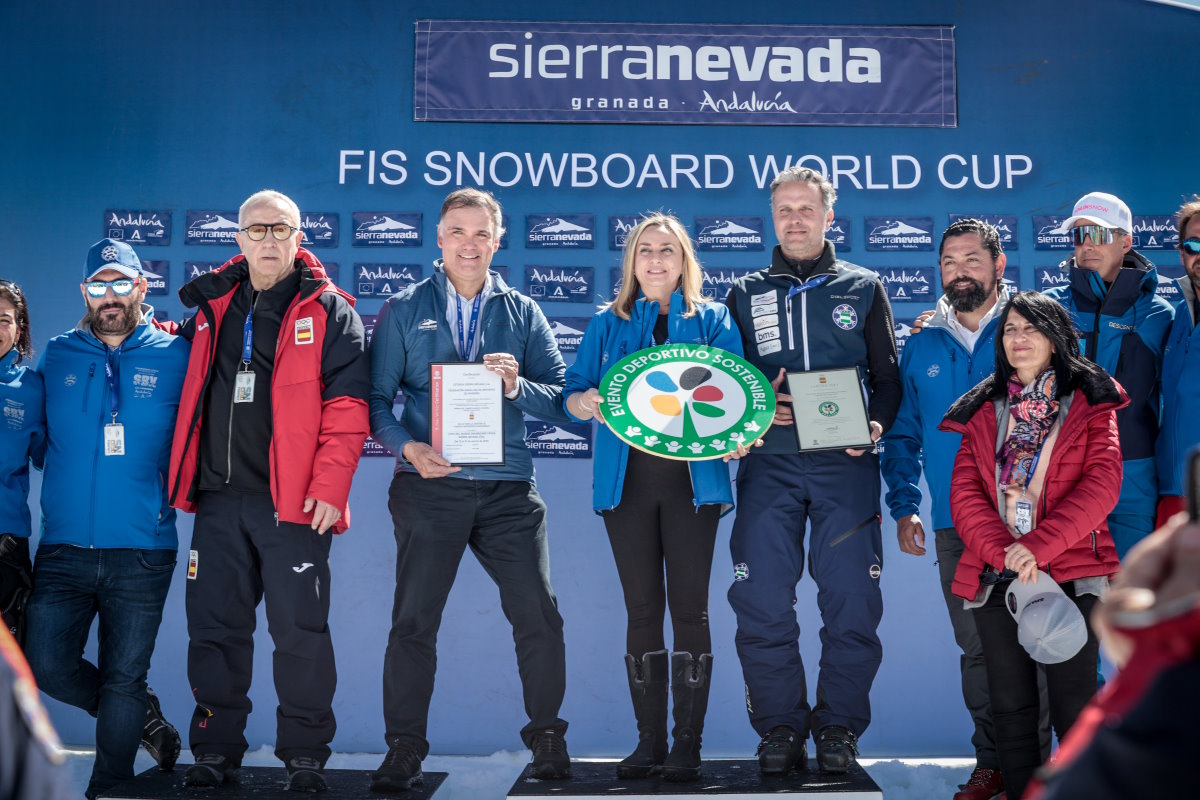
{"points": [[690, 280]]}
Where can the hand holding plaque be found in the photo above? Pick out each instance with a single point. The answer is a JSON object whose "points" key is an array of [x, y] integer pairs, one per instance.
{"points": [[829, 410]]}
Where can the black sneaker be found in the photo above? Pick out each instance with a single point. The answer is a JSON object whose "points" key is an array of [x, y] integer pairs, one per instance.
{"points": [[401, 768], [210, 770], [836, 749], [159, 737], [782, 750], [304, 775], [550, 759]]}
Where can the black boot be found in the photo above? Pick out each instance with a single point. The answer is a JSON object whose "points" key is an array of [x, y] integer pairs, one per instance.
{"points": [[689, 690], [648, 689]]}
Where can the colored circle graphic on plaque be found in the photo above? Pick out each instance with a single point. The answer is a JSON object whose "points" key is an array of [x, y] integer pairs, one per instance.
{"points": [[691, 402]]}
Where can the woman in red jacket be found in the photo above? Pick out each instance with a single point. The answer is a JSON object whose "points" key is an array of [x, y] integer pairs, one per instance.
{"points": [[1033, 496]]}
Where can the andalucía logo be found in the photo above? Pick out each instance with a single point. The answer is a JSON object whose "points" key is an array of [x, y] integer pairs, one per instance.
{"points": [[384, 280], [729, 233], [559, 439], [899, 233], [618, 228], [386, 229], [157, 274], [1005, 225], [568, 332], [1049, 233], [560, 230], [211, 227], [192, 269], [692, 402], [560, 284], [138, 227], [908, 283], [320, 228], [1049, 277], [717, 281], [1156, 232], [839, 234]]}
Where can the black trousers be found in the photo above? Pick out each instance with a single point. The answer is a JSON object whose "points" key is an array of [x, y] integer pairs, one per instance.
{"points": [[657, 525], [1013, 687], [241, 554], [504, 524]]}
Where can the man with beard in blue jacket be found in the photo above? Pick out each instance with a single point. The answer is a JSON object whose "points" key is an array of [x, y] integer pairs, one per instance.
{"points": [[954, 351], [1112, 296], [108, 534], [466, 313]]}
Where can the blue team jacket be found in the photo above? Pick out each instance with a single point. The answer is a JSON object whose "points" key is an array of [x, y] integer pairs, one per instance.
{"points": [[90, 499], [1124, 330], [1181, 393], [607, 340], [22, 436], [936, 369], [411, 332]]}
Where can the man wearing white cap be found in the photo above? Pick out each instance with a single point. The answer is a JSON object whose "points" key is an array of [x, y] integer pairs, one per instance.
{"points": [[1123, 327]]}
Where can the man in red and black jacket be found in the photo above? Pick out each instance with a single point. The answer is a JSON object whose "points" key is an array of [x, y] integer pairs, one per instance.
{"points": [[271, 425]]}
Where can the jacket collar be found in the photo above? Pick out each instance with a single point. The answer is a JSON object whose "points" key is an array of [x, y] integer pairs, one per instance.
{"points": [[780, 267], [1136, 277], [1097, 387], [8, 364], [942, 312], [227, 277]]}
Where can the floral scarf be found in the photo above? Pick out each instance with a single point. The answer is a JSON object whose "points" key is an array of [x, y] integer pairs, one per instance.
{"points": [[1034, 410]]}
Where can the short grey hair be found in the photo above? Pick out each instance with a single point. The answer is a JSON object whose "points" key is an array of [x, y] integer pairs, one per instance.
{"points": [[266, 196], [806, 175]]}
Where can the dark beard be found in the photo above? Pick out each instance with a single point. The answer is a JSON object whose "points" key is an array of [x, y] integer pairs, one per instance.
{"points": [[129, 318], [967, 300]]}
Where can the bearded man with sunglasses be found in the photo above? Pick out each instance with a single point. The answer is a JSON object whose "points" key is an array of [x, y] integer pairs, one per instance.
{"points": [[108, 538], [1122, 324], [1181, 370], [271, 426]]}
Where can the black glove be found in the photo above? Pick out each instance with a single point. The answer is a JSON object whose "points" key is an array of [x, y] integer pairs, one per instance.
{"points": [[16, 583]]}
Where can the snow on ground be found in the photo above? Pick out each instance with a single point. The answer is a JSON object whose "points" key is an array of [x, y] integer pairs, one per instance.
{"points": [[490, 777]]}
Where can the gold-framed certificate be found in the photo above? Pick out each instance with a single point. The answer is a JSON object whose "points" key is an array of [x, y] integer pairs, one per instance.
{"points": [[829, 410], [466, 413]]}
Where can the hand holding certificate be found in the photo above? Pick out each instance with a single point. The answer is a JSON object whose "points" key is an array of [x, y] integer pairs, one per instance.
{"points": [[466, 407], [829, 410]]}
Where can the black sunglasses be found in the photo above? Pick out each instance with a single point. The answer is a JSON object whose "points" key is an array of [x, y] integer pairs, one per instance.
{"points": [[990, 577]]}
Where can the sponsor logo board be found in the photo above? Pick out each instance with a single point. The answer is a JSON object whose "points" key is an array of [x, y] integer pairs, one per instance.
{"points": [[729, 233], [558, 439], [138, 227], [320, 228], [384, 280], [386, 229], [560, 230], [551, 284], [899, 233], [568, 332], [211, 227], [910, 283], [1049, 233], [158, 278]]}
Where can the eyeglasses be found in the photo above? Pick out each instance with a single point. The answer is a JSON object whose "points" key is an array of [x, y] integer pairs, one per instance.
{"points": [[1190, 246], [280, 230], [1097, 233], [121, 287], [990, 578]]}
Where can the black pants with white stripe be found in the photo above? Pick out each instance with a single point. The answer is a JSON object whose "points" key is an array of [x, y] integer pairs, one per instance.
{"points": [[239, 556]]}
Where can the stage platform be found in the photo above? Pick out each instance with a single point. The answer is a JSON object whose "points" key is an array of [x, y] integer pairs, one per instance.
{"points": [[263, 783], [724, 779]]}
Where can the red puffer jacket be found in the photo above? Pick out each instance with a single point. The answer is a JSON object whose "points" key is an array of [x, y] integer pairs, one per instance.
{"points": [[318, 434], [1083, 480]]}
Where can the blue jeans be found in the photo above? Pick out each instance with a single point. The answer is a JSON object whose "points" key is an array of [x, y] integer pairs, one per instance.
{"points": [[127, 588]]}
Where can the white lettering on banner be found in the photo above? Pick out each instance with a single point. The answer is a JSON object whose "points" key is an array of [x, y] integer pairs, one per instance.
{"points": [[713, 171], [681, 62]]}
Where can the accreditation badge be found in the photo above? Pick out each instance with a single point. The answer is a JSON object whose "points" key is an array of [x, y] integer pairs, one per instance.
{"points": [[114, 439], [686, 401], [243, 388]]}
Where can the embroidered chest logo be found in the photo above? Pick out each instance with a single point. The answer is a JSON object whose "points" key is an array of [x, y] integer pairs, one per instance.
{"points": [[933, 370], [845, 317], [304, 330]]}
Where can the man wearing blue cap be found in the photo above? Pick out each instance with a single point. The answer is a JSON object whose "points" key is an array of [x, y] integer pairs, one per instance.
{"points": [[108, 534]]}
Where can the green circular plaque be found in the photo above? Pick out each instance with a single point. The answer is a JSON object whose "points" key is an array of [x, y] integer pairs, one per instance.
{"points": [[686, 401]]}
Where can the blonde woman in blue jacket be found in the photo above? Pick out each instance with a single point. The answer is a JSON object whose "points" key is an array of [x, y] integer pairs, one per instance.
{"points": [[659, 513]]}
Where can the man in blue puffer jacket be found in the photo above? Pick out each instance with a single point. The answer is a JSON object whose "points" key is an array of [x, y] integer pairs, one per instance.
{"points": [[108, 534], [1123, 325], [1181, 370], [955, 350]]}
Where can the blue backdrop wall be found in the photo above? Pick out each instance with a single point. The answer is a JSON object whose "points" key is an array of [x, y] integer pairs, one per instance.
{"points": [[189, 107]]}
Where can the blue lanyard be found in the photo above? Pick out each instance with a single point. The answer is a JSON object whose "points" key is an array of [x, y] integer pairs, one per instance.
{"points": [[811, 283], [1032, 468], [466, 341], [112, 376], [248, 337]]}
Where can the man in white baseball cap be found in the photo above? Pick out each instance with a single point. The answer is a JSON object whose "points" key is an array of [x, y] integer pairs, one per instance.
{"points": [[1112, 297]]}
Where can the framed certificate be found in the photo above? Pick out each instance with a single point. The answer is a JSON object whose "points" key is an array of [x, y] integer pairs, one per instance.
{"points": [[829, 410], [466, 413]]}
